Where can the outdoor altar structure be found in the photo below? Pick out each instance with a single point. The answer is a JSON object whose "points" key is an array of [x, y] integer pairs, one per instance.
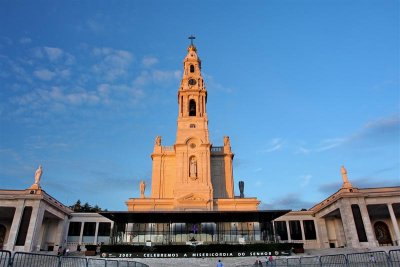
{"points": [[192, 187]]}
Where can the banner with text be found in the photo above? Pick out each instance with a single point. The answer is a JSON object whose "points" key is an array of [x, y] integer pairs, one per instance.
{"points": [[193, 254]]}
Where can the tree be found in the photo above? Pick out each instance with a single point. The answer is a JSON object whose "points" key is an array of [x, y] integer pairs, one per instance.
{"points": [[77, 207]]}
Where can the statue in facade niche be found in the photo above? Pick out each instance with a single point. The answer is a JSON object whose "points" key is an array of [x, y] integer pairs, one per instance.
{"points": [[142, 188], [193, 168], [241, 189], [38, 174], [158, 140]]}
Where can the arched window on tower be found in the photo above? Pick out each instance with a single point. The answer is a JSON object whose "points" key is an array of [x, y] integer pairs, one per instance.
{"points": [[191, 68], [192, 107]]}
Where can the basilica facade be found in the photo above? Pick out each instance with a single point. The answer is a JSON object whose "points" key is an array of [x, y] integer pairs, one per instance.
{"points": [[191, 200], [192, 174]]}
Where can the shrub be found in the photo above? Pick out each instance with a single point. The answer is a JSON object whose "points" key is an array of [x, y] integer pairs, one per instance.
{"points": [[91, 247]]}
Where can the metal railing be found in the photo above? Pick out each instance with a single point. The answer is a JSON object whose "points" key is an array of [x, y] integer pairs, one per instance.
{"points": [[23, 259], [365, 259], [217, 149], [5, 258]]}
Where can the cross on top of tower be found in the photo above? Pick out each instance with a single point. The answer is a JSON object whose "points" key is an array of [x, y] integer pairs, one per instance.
{"points": [[191, 37]]}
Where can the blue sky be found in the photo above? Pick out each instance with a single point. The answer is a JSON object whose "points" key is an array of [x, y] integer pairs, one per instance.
{"points": [[301, 87]]}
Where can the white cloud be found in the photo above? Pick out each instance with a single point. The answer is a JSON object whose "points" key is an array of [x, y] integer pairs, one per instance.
{"points": [[210, 81], [142, 79], [37, 52], [374, 132], [328, 144], [114, 63], [47, 75], [305, 180], [94, 25], [156, 77], [303, 150], [53, 53], [82, 97], [289, 201], [274, 145], [64, 73], [20, 72], [44, 74], [163, 76], [147, 62], [25, 40]]}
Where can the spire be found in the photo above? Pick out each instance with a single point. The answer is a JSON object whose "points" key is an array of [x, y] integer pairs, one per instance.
{"points": [[346, 183]]}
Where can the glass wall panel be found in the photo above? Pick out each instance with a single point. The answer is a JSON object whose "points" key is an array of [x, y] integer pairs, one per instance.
{"points": [[295, 230], [281, 230], [309, 230]]}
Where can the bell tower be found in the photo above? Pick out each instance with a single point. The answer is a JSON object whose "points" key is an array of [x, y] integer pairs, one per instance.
{"points": [[192, 144], [192, 100]]}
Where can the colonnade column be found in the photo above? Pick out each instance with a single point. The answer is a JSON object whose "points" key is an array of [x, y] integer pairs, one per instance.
{"points": [[12, 236], [303, 236], [61, 233], [96, 233], [81, 233], [35, 225], [394, 223], [289, 237], [322, 233], [349, 226], [367, 224]]}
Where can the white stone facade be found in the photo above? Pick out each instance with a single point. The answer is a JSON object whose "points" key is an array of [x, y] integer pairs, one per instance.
{"points": [[31, 220], [352, 217]]}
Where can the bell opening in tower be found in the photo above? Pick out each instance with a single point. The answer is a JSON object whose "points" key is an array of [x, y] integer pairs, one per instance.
{"points": [[192, 107], [191, 68]]}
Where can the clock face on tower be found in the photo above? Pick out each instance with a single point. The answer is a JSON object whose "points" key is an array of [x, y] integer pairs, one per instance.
{"points": [[192, 82]]}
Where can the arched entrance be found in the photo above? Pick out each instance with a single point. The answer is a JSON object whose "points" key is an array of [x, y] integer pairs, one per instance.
{"points": [[2, 235], [382, 233]]}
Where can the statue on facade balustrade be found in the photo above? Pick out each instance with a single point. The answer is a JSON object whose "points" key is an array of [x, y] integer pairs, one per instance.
{"points": [[158, 140], [142, 188], [346, 183], [38, 174], [227, 142], [241, 189]]}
